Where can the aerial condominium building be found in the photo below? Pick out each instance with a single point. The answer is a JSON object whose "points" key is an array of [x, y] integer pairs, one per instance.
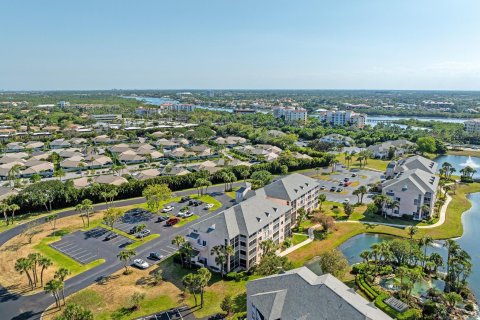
{"points": [[267, 213], [472, 126], [291, 114], [341, 118]]}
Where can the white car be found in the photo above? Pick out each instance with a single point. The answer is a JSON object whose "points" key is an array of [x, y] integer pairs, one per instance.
{"points": [[209, 206], [181, 214], [187, 214], [142, 264], [346, 201], [167, 209]]}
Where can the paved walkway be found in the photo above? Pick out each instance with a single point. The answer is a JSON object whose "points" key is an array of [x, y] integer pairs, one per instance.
{"points": [[441, 220]]}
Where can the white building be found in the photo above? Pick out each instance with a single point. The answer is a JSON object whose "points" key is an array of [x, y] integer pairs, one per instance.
{"points": [[338, 139], [268, 214], [413, 187], [291, 114], [182, 107], [472, 126], [397, 148], [341, 118]]}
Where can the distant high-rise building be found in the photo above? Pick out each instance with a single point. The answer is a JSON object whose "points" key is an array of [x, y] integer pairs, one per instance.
{"points": [[63, 104], [341, 118], [291, 114], [472, 126]]}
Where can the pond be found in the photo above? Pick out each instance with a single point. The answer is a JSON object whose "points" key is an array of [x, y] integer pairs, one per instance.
{"points": [[469, 242], [460, 162]]}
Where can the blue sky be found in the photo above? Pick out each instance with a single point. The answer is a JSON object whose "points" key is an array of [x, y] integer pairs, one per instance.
{"points": [[262, 44]]}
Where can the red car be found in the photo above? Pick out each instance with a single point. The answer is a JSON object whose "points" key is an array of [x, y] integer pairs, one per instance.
{"points": [[172, 221]]}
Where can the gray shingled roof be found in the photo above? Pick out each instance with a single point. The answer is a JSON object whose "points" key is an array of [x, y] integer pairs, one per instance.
{"points": [[301, 294], [424, 181], [244, 218], [290, 187]]}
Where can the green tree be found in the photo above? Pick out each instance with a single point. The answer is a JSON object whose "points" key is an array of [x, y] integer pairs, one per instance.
{"points": [[156, 194], [227, 305], [427, 145], [321, 199], [136, 299], [126, 256], [333, 262], [75, 312], [44, 263], [111, 216], [23, 265], [53, 287]]}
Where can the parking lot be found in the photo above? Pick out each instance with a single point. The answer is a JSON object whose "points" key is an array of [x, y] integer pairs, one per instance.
{"points": [[182, 313], [331, 182], [85, 247]]}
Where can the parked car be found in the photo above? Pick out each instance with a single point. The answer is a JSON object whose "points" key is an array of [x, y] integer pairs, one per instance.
{"points": [[111, 236], [184, 199], [181, 214], [332, 189], [187, 214], [195, 203], [346, 201], [142, 264], [162, 218], [132, 230], [346, 179], [143, 233], [340, 184], [354, 175], [172, 221], [167, 209], [155, 256], [209, 206], [339, 189], [323, 187]]}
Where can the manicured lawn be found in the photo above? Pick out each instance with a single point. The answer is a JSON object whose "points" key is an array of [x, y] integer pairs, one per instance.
{"points": [[473, 153], [299, 238], [452, 228], [376, 164], [139, 243], [205, 198], [186, 220], [62, 260]]}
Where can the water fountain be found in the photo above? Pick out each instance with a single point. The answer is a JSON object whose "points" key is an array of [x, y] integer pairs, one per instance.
{"points": [[470, 163]]}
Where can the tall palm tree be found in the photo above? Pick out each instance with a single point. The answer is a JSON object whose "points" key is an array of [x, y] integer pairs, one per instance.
{"points": [[229, 252], [220, 257], [204, 276], [412, 230], [44, 263], [23, 265], [425, 242], [53, 287], [178, 241], [13, 207]]}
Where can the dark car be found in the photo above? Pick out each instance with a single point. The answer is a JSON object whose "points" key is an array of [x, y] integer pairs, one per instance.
{"points": [[132, 230], [195, 203], [339, 189], [184, 199], [155, 256], [332, 189], [162, 218], [346, 179], [172, 221], [111, 236], [354, 175]]}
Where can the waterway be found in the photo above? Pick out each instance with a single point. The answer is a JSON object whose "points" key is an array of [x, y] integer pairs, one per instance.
{"points": [[374, 119], [460, 162]]}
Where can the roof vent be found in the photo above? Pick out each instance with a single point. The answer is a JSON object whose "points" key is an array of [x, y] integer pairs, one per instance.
{"points": [[306, 183], [301, 187], [405, 187]]}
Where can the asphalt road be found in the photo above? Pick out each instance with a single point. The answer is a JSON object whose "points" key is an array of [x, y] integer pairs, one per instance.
{"points": [[18, 307]]}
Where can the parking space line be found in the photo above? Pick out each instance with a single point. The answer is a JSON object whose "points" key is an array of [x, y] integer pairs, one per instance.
{"points": [[63, 245], [168, 252], [75, 251], [88, 254], [170, 247]]}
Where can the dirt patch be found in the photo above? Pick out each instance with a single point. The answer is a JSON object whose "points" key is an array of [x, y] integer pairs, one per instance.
{"points": [[19, 247]]}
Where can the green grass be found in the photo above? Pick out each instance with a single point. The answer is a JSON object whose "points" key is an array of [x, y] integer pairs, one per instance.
{"points": [[232, 194], [139, 243], [147, 306], [205, 198], [299, 238], [184, 221], [87, 298], [375, 164], [62, 260]]}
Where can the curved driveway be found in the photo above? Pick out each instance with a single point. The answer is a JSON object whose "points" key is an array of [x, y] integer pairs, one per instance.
{"points": [[17, 307]]}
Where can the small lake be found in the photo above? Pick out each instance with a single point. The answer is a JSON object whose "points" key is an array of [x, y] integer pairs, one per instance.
{"points": [[469, 242], [460, 162]]}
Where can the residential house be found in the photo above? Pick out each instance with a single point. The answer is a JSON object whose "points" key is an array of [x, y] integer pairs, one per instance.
{"points": [[60, 144], [230, 141], [44, 169], [301, 294], [338, 139], [34, 145], [146, 174], [15, 147], [130, 157], [411, 163]]}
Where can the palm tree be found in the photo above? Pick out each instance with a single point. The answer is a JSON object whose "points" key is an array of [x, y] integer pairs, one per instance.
{"points": [[13, 207], [220, 257], [126, 256], [60, 275], [425, 242], [321, 199], [204, 277], [229, 251], [13, 173], [392, 205], [178, 241], [356, 192], [4, 209], [44, 263], [53, 287], [363, 190], [34, 258], [381, 200], [412, 230], [23, 265]]}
